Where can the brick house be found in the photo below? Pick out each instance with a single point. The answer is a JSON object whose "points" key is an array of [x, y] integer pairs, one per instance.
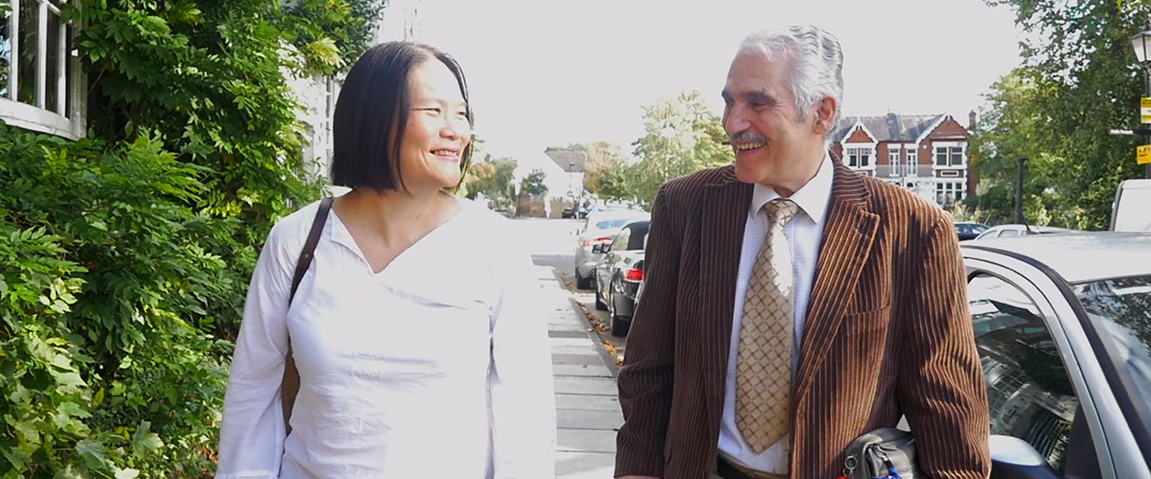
{"points": [[924, 153]]}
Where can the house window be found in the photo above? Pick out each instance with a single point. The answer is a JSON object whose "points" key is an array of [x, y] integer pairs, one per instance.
{"points": [[859, 157], [949, 155], [893, 160], [912, 161], [948, 193], [38, 74]]}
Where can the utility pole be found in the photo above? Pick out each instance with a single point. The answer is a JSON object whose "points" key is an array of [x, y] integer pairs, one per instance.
{"points": [[1021, 162]]}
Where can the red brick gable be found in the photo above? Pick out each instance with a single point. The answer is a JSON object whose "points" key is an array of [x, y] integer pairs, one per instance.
{"points": [[859, 136], [949, 129]]}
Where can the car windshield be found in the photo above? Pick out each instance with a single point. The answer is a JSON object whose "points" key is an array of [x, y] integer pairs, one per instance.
{"points": [[613, 223], [1121, 309], [967, 228]]}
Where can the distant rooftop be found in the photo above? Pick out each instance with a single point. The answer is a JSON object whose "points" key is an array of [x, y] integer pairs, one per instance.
{"points": [[890, 127]]}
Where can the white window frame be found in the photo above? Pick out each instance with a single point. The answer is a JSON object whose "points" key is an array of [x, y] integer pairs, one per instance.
{"points": [[855, 148], [38, 117], [950, 146], [912, 160], [957, 188], [893, 161]]}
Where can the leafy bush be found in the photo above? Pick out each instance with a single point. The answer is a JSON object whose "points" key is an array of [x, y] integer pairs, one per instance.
{"points": [[107, 289], [125, 257]]}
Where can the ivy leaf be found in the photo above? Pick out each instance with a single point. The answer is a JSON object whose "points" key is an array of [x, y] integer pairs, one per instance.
{"points": [[16, 456], [325, 52], [72, 409], [68, 383], [95, 455], [144, 441], [127, 473], [28, 431], [156, 24]]}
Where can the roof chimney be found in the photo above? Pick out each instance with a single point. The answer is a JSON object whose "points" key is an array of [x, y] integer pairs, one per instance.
{"points": [[971, 120]]}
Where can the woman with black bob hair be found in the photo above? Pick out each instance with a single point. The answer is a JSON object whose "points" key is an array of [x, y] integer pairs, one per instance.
{"points": [[418, 350]]}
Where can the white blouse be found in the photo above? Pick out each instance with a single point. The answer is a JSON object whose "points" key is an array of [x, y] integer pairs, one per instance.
{"points": [[436, 367]]}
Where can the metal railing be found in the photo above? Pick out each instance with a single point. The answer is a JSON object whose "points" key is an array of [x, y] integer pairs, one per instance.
{"points": [[903, 171]]}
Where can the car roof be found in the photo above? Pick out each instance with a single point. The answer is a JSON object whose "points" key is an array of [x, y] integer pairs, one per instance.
{"points": [[617, 214], [1019, 226], [1080, 256]]}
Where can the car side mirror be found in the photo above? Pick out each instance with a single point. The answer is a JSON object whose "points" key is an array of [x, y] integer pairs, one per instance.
{"points": [[1014, 458]]}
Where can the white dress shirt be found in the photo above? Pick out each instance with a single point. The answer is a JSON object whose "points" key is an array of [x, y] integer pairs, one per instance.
{"points": [[804, 235], [396, 367]]}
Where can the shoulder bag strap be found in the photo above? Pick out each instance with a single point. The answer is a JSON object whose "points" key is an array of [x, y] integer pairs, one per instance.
{"points": [[291, 382]]}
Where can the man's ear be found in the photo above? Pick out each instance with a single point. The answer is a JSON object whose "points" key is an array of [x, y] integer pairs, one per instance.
{"points": [[825, 113]]}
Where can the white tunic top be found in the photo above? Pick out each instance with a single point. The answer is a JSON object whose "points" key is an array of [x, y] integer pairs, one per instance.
{"points": [[395, 366]]}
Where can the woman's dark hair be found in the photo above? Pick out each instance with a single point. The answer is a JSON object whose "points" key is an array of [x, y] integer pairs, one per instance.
{"points": [[372, 114]]}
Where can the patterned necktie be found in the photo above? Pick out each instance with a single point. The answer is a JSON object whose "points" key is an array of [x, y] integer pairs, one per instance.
{"points": [[766, 337]]}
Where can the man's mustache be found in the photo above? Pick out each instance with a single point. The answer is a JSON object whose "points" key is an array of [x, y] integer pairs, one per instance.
{"points": [[747, 138]]}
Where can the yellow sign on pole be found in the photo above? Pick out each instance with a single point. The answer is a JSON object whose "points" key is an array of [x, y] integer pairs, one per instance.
{"points": [[1143, 155], [1145, 110]]}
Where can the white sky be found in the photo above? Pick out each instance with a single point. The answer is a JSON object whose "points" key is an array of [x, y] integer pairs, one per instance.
{"points": [[554, 72]]}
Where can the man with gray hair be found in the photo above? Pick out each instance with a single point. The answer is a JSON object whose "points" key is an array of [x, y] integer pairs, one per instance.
{"points": [[792, 305]]}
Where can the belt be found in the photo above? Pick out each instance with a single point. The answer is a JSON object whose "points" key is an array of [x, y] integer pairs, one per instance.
{"points": [[727, 470]]}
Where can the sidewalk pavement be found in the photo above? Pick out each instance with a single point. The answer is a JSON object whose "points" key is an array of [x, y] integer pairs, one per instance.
{"points": [[587, 404]]}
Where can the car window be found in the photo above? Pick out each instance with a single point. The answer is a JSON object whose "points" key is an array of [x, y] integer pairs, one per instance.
{"points": [[638, 236], [1006, 233], [612, 223], [1028, 391], [1121, 310], [620, 241]]}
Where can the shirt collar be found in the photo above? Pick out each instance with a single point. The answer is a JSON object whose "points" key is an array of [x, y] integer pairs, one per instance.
{"points": [[812, 198]]}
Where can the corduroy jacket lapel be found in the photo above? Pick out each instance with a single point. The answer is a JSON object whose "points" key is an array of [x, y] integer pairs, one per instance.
{"points": [[847, 240]]}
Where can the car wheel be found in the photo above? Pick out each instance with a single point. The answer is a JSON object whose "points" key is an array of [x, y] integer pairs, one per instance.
{"points": [[582, 282], [599, 304], [619, 324]]}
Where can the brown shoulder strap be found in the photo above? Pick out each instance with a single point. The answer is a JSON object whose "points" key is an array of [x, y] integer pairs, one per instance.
{"points": [[291, 382], [310, 246]]}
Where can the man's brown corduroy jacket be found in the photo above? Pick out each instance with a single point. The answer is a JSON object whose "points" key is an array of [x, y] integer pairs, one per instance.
{"points": [[887, 333]]}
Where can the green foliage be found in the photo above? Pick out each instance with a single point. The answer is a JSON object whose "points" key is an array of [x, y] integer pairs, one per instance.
{"points": [[326, 32], [124, 258], [601, 157], [491, 179], [108, 291], [683, 136], [533, 184], [611, 183], [1079, 79], [209, 79]]}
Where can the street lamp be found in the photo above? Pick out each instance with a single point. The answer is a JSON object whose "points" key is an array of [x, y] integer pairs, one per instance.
{"points": [[1141, 43]]}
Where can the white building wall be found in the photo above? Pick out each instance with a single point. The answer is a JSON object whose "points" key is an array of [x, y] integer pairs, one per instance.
{"points": [[317, 94]]}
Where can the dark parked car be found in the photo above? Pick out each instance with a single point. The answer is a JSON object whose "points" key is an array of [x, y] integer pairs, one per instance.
{"points": [[619, 273], [1063, 327], [969, 229]]}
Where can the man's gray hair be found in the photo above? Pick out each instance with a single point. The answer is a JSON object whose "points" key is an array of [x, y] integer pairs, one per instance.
{"points": [[816, 67]]}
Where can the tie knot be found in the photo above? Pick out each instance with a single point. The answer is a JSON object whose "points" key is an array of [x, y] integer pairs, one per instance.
{"points": [[780, 211]]}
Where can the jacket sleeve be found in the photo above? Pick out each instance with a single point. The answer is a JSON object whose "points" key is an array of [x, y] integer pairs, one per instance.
{"points": [[645, 380], [252, 431], [941, 387]]}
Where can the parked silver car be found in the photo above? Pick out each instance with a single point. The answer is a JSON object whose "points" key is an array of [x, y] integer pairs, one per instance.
{"points": [[599, 228], [619, 273], [1005, 231], [1063, 327]]}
